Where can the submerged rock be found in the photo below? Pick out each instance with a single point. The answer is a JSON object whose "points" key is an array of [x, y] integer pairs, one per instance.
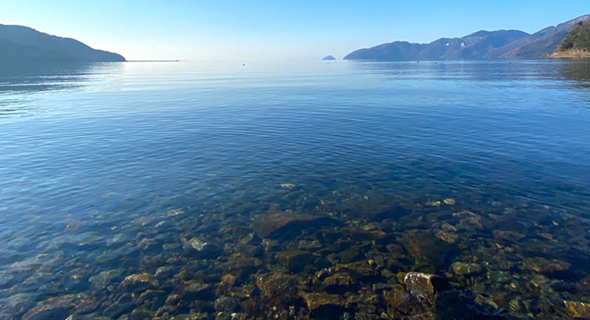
{"points": [[577, 309], [156, 296], [426, 247], [450, 201], [323, 305], [463, 269], [16, 305], [349, 255], [241, 266], [402, 303], [278, 290], [338, 283], [283, 225], [198, 291], [359, 234], [140, 314], [165, 272], [506, 235], [138, 283], [447, 300], [459, 304], [102, 280], [61, 307], [433, 204], [544, 266], [200, 249], [118, 308], [226, 304], [447, 236], [272, 284], [295, 260], [73, 226], [425, 286], [143, 221], [499, 276]]}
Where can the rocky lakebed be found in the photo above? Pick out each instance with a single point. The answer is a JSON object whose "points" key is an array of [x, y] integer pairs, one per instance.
{"points": [[341, 255]]}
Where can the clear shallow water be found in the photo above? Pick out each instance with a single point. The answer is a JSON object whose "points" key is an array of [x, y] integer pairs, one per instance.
{"points": [[94, 159]]}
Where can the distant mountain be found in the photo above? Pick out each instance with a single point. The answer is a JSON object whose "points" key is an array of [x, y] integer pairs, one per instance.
{"points": [[502, 44], [537, 44], [472, 47], [24, 44], [328, 58]]}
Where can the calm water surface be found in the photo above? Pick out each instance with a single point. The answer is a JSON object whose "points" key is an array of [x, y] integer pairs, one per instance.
{"points": [[114, 170]]}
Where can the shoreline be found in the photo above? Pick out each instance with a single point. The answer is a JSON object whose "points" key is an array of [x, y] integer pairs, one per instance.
{"points": [[571, 54]]}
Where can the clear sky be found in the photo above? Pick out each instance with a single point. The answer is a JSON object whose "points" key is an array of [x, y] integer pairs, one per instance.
{"points": [[279, 29]]}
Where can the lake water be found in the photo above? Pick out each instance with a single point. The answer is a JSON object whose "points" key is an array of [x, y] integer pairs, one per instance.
{"points": [[293, 190]]}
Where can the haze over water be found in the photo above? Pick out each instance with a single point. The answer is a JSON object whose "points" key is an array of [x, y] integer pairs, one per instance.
{"points": [[95, 159]]}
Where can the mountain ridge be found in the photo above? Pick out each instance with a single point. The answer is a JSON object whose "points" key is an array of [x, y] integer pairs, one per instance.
{"points": [[480, 45], [25, 44]]}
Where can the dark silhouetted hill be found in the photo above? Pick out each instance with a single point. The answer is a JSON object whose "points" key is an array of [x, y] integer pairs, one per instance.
{"points": [[502, 44], [24, 44], [328, 58]]}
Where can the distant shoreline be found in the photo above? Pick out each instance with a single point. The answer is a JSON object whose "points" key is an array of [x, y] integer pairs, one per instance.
{"points": [[153, 61], [571, 54]]}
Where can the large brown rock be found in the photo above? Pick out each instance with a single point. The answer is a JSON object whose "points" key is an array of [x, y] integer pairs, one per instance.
{"points": [[285, 224], [425, 286]]}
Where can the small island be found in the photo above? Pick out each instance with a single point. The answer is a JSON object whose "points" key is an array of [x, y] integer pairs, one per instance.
{"points": [[328, 58], [577, 44]]}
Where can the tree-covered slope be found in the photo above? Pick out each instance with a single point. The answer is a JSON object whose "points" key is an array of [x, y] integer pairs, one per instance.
{"points": [[578, 39]]}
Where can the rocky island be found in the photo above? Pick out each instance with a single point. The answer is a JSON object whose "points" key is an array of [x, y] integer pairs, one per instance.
{"points": [[20, 44], [329, 58]]}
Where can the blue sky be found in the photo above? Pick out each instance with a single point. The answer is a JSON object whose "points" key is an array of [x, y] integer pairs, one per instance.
{"points": [[271, 30]]}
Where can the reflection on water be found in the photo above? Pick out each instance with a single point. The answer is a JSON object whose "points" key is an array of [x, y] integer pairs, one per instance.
{"points": [[184, 191], [19, 81], [578, 71]]}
